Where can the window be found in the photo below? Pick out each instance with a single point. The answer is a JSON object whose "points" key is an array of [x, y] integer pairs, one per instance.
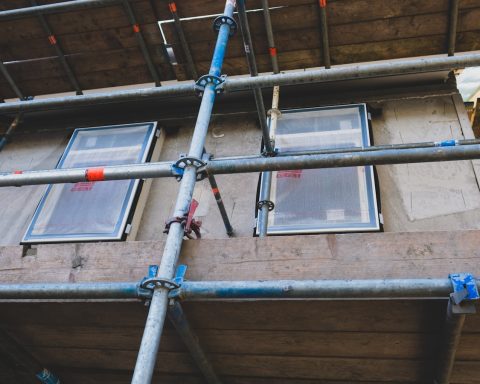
{"points": [[92, 210], [323, 200]]}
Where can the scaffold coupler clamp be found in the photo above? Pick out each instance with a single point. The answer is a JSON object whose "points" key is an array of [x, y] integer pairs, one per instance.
{"points": [[178, 168], [203, 81], [152, 281], [465, 293], [191, 226], [265, 203], [47, 377], [223, 19], [273, 153]]}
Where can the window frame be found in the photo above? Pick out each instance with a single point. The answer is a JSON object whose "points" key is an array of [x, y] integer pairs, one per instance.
{"points": [[371, 191], [128, 205]]}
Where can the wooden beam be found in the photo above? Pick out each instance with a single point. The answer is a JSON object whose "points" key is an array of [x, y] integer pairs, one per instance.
{"points": [[334, 256]]}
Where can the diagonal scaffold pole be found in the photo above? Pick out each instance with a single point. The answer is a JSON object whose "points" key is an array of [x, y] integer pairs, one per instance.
{"points": [[225, 25]]}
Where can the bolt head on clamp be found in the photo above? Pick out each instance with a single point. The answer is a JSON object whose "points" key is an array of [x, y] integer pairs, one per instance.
{"points": [[221, 20]]}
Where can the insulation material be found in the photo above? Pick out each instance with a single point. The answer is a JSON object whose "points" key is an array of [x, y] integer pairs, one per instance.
{"points": [[92, 209], [321, 200]]}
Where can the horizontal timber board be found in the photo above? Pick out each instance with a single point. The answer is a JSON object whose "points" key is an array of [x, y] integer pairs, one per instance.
{"points": [[246, 365], [334, 256], [270, 342], [298, 315]]}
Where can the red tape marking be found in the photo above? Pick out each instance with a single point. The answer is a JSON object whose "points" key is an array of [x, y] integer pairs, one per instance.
{"points": [[94, 174], [52, 39], [323, 3], [215, 190], [295, 174], [17, 172], [273, 51], [136, 28], [173, 7]]}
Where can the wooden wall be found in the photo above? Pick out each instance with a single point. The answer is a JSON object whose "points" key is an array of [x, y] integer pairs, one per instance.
{"points": [[103, 51]]}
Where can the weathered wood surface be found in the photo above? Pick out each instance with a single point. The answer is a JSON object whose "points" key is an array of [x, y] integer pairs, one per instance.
{"points": [[334, 256], [388, 30], [247, 342]]}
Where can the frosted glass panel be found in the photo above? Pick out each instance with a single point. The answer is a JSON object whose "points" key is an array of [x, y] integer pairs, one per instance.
{"points": [[92, 210], [323, 200]]}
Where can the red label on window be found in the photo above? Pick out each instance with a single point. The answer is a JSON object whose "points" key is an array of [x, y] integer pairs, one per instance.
{"points": [[294, 174], [82, 186]]}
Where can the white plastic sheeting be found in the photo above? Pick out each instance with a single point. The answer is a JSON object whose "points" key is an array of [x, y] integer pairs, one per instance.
{"points": [[323, 200], [92, 210]]}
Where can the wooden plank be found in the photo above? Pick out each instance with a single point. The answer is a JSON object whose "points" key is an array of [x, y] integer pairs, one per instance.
{"points": [[319, 316], [109, 376], [89, 337], [269, 342], [333, 256], [248, 365]]}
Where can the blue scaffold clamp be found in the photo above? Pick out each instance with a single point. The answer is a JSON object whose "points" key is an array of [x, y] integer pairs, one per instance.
{"points": [[179, 278], [47, 377], [464, 294]]}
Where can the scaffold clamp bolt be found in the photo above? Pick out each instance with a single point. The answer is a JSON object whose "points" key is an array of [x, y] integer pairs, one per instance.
{"points": [[221, 20]]}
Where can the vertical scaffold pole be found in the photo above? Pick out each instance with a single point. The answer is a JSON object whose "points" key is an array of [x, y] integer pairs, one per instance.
{"points": [[158, 307], [274, 114]]}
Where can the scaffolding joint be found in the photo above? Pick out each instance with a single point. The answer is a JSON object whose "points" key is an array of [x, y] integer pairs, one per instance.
{"points": [[153, 281], [266, 203], [47, 377], [465, 293], [205, 80], [273, 153], [190, 225], [223, 19]]}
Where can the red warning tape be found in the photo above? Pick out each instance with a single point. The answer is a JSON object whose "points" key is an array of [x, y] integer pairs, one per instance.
{"points": [[273, 51], [52, 39], [136, 28], [94, 174], [17, 172], [323, 3], [215, 190], [173, 7]]}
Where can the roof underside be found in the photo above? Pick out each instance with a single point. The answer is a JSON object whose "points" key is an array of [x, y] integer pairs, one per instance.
{"points": [[103, 52]]}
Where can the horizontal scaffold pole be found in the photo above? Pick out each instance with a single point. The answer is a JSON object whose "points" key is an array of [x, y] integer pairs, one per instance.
{"points": [[265, 289], [73, 291], [73, 5], [349, 72], [248, 164]]}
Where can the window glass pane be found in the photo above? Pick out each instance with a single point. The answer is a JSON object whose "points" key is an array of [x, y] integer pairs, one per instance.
{"points": [[92, 210], [323, 200]]}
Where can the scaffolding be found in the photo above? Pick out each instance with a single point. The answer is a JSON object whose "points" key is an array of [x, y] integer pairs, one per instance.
{"points": [[166, 288]]}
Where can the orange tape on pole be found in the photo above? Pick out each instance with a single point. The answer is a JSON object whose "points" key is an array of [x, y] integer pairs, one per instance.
{"points": [[323, 3], [273, 51], [215, 190], [95, 174], [136, 28], [52, 39], [173, 7]]}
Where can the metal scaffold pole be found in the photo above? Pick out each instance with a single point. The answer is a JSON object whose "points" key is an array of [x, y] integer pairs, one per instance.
{"points": [[264, 204], [225, 25], [391, 154], [348, 72]]}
